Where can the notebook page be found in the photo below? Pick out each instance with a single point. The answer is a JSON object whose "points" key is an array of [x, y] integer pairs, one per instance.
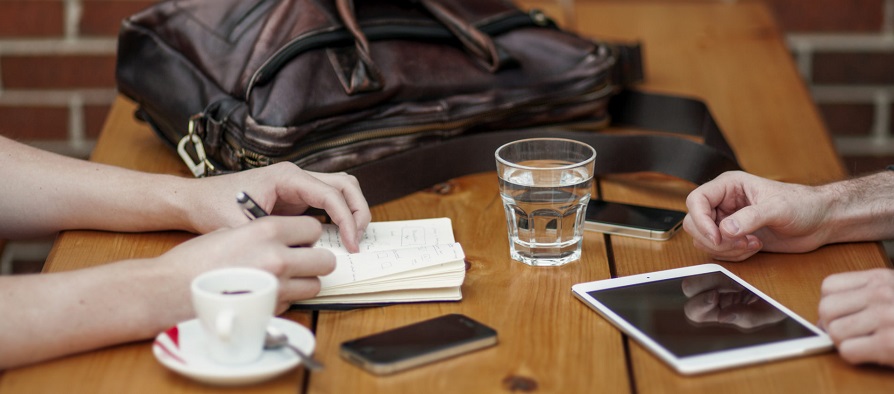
{"points": [[392, 235], [368, 265]]}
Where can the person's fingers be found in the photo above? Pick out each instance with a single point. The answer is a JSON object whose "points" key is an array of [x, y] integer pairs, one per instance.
{"points": [[350, 188], [838, 305], [700, 219], [846, 281], [296, 289], [319, 194], [351, 228], [728, 250], [343, 217], [862, 323], [288, 230], [877, 348], [306, 262], [747, 220], [850, 292], [706, 233]]}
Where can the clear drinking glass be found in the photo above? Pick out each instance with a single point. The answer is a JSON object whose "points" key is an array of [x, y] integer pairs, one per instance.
{"points": [[545, 185]]}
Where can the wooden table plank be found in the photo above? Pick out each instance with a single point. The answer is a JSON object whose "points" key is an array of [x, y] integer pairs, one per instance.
{"points": [[545, 334], [770, 121], [549, 341], [731, 55]]}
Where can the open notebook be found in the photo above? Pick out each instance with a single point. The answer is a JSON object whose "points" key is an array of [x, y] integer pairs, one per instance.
{"points": [[399, 261]]}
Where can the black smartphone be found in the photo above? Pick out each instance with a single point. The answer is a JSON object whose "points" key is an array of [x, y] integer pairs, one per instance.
{"points": [[633, 220], [418, 343]]}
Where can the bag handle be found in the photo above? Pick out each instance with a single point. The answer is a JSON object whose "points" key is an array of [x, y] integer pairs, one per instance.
{"points": [[476, 42], [358, 73]]}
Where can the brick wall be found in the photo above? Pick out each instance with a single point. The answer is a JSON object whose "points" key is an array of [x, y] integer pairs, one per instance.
{"points": [[845, 51], [57, 60]]}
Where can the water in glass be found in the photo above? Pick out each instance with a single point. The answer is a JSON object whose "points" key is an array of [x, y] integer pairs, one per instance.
{"points": [[545, 212]]}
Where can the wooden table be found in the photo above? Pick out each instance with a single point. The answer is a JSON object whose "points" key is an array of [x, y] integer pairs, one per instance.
{"points": [[732, 56]]}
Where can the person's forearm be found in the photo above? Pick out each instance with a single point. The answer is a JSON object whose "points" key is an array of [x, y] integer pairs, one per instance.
{"points": [[44, 193], [861, 209], [51, 315]]}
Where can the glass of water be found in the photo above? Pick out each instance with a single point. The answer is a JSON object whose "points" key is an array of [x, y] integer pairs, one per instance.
{"points": [[545, 185]]}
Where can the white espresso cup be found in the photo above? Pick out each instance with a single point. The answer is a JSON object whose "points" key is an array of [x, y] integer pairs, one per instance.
{"points": [[235, 306]]}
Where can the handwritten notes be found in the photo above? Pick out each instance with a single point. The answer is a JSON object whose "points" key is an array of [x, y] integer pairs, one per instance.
{"points": [[392, 235], [399, 261]]}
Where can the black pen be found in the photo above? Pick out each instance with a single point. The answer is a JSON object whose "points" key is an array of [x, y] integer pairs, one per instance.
{"points": [[249, 207]]}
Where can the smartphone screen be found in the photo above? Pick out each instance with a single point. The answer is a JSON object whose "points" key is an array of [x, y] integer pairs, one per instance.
{"points": [[632, 220], [419, 343]]}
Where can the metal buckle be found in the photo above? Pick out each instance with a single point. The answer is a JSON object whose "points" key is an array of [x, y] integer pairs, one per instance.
{"points": [[201, 166]]}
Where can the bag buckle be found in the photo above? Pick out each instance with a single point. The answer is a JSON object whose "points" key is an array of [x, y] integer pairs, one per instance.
{"points": [[201, 166]]}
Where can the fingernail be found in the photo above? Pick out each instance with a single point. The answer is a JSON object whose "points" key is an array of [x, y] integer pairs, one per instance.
{"points": [[714, 239], [711, 299], [731, 227], [754, 245]]}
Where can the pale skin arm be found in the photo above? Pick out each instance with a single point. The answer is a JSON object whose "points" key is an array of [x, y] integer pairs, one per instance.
{"points": [[43, 193], [738, 214], [70, 312], [65, 313]]}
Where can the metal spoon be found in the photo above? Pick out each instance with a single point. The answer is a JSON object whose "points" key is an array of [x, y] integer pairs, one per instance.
{"points": [[276, 339]]}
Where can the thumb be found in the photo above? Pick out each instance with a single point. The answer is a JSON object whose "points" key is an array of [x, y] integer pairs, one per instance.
{"points": [[744, 221]]}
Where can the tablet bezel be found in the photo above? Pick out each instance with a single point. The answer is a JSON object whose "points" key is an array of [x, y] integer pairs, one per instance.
{"points": [[709, 361]]}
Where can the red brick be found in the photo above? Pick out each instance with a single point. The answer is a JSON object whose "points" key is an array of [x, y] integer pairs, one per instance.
{"points": [[830, 16], [22, 18], [848, 119], [103, 17], [58, 72], [853, 68], [34, 123], [95, 118]]}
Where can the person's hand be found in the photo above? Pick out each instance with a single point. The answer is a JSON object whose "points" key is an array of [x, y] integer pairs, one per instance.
{"points": [[738, 214], [281, 189], [718, 299], [857, 311], [263, 244]]}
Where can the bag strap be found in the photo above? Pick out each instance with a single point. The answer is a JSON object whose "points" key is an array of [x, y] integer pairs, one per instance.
{"points": [[419, 168]]}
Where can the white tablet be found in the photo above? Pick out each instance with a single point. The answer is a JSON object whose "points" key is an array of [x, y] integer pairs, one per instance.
{"points": [[702, 318]]}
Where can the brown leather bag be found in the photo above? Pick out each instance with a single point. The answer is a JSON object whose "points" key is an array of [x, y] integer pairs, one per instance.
{"points": [[371, 86]]}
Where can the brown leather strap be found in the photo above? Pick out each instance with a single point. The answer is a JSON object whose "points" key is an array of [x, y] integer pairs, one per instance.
{"points": [[477, 43], [401, 174]]}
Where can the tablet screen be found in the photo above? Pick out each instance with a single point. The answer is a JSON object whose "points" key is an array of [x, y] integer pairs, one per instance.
{"points": [[701, 313]]}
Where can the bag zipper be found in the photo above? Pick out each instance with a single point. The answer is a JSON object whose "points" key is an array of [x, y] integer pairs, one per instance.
{"points": [[255, 159]]}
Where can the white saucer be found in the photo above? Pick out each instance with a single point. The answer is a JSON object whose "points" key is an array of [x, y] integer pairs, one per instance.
{"points": [[180, 349]]}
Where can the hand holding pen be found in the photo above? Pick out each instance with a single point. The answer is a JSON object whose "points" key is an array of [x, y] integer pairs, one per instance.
{"points": [[253, 211]]}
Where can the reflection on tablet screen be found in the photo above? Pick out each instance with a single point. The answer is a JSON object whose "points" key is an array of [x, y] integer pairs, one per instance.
{"points": [[700, 314]]}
